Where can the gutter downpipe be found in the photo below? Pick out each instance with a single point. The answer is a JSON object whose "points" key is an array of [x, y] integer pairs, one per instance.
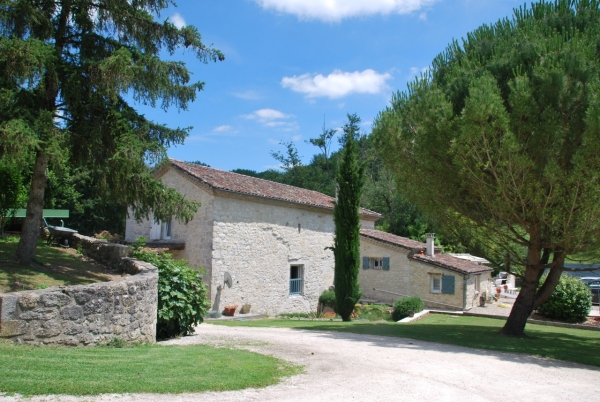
{"points": [[465, 292]]}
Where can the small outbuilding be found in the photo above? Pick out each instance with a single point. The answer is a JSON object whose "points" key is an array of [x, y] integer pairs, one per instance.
{"points": [[394, 267]]}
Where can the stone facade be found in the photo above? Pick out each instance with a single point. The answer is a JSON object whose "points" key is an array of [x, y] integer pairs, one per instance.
{"points": [[260, 242], [373, 281], [82, 315], [197, 233], [409, 277]]}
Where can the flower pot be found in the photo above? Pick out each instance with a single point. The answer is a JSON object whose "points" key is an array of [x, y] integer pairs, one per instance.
{"points": [[482, 301], [245, 309], [411, 313], [229, 310]]}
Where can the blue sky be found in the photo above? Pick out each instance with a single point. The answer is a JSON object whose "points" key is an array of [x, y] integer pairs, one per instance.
{"points": [[293, 64]]}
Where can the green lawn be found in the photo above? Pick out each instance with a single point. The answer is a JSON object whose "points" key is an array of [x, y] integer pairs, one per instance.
{"points": [[581, 346], [52, 266], [30, 370]]}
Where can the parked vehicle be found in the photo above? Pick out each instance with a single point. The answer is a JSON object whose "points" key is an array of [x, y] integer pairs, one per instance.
{"points": [[593, 283]]}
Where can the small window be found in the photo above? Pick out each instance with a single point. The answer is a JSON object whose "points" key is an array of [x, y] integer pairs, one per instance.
{"points": [[296, 280], [376, 263], [436, 283], [477, 282], [382, 263], [160, 230]]}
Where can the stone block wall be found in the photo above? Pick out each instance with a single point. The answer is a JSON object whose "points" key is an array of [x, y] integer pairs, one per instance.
{"points": [[103, 251], [257, 242], [197, 233], [395, 280], [420, 284], [81, 315]]}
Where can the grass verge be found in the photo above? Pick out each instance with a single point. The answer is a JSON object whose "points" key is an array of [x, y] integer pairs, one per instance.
{"points": [[30, 370], [575, 345], [52, 266]]}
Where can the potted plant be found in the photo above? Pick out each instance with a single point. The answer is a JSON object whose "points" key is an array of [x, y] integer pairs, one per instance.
{"points": [[230, 310]]}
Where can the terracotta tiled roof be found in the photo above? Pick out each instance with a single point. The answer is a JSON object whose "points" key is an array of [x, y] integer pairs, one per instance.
{"points": [[440, 260], [392, 239], [452, 263], [242, 184]]}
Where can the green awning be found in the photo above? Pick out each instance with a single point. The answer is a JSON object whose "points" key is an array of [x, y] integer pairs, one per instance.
{"points": [[48, 213]]}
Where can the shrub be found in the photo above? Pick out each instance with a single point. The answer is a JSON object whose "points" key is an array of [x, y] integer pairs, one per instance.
{"points": [[571, 301], [182, 301], [327, 298], [402, 307]]}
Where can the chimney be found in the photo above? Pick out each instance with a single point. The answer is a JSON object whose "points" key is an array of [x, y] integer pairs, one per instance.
{"points": [[430, 244]]}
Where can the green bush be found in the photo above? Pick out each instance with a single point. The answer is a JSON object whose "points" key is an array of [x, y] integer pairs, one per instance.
{"points": [[182, 300], [327, 298], [402, 307], [571, 301]]}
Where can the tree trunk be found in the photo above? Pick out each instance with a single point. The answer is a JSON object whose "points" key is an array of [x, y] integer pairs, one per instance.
{"points": [[524, 305], [522, 309], [30, 230], [530, 297]]}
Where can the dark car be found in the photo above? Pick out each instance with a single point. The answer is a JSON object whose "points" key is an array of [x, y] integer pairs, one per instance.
{"points": [[593, 283]]}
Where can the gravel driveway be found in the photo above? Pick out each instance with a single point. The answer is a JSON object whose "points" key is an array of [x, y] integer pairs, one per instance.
{"points": [[342, 366]]}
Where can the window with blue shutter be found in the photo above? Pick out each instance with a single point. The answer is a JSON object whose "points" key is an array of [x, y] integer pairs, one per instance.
{"points": [[366, 262], [448, 284], [386, 263]]}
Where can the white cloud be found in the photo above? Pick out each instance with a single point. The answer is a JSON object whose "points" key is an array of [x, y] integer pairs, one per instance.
{"points": [[338, 83], [423, 16], [337, 10], [222, 129], [273, 118], [266, 115], [296, 138], [177, 20]]}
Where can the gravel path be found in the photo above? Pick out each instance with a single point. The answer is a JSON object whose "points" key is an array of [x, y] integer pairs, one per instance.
{"points": [[340, 366]]}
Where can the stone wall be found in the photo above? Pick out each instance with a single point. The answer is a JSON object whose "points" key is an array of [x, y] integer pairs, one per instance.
{"points": [[258, 242], [413, 278], [103, 251], [420, 284], [395, 280], [98, 313], [485, 285], [197, 233]]}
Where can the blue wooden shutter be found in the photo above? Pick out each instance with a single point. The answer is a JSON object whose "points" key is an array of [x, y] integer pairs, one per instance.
{"points": [[386, 263], [366, 262], [448, 284]]}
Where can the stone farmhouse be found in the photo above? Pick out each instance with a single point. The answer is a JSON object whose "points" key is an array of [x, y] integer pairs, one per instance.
{"points": [[394, 266], [266, 245]]}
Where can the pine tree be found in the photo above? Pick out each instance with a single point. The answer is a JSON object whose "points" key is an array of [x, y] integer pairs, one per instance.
{"points": [[65, 68], [500, 139], [346, 249]]}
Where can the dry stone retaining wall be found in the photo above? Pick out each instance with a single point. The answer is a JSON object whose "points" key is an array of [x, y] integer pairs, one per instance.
{"points": [[123, 310]]}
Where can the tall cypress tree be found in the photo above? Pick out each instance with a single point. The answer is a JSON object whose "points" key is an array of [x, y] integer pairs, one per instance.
{"points": [[65, 68], [346, 249]]}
